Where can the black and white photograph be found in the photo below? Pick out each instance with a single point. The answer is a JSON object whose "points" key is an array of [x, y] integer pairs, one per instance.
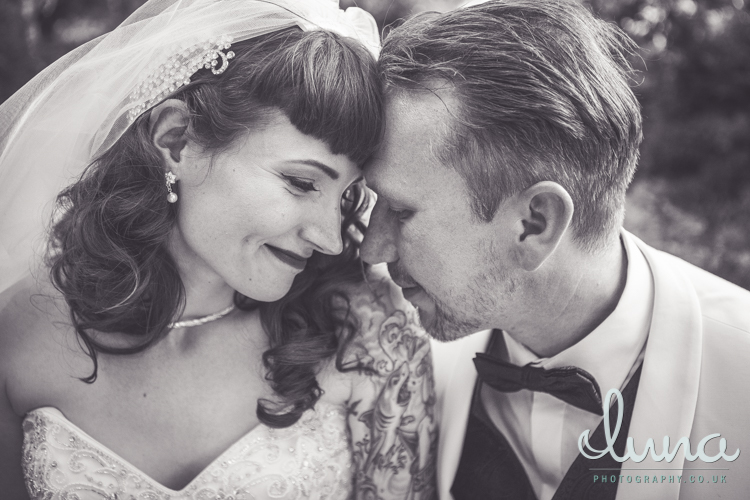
{"points": [[374, 249]]}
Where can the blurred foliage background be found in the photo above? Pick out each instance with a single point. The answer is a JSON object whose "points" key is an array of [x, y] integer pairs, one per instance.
{"points": [[691, 195]]}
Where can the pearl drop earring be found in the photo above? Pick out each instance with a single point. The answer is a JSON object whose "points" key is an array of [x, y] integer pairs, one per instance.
{"points": [[171, 179]]}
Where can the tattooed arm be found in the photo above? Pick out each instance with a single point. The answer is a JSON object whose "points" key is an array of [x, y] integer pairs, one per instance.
{"points": [[391, 420]]}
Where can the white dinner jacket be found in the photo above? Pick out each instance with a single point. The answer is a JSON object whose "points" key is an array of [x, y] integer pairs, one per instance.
{"points": [[695, 382]]}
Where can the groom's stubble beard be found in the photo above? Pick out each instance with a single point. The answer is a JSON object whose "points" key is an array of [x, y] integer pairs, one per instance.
{"points": [[446, 326], [447, 323]]}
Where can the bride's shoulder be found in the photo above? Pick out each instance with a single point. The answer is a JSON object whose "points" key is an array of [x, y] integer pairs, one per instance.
{"points": [[30, 305], [22, 307], [34, 324]]}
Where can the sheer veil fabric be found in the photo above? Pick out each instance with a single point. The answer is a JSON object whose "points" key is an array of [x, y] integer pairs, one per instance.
{"points": [[53, 127]]}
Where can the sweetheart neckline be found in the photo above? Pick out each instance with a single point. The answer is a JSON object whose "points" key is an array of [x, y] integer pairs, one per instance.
{"points": [[59, 416]]}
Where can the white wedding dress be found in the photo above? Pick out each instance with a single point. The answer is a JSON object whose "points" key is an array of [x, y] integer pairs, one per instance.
{"points": [[311, 459]]}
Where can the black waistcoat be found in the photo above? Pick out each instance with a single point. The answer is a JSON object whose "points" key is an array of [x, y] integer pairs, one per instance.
{"points": [[490, 470]]}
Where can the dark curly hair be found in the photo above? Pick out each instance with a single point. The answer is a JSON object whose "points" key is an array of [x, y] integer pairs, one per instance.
{"points": [[107, 249]]}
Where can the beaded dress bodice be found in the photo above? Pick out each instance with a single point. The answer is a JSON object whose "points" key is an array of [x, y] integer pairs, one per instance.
{"points": [[310, 460]]}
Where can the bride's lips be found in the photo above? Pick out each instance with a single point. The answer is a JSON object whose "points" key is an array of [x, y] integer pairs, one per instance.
{"points": [[287, 257]]}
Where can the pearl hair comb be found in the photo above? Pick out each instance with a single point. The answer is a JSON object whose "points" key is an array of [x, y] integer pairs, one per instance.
{"points": [[177, 71]]}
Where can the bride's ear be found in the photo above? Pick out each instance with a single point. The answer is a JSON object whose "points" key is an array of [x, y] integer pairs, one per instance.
{"points": [[168, 123]]}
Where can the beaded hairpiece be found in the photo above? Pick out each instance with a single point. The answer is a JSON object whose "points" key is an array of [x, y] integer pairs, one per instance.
{"points": [[177, 70]]}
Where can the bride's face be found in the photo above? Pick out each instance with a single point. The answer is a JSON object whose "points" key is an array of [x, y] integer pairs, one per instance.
{"points": [[253, 215]]}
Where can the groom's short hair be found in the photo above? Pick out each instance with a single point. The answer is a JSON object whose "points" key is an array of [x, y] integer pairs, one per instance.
{"points": [[543, 92]]}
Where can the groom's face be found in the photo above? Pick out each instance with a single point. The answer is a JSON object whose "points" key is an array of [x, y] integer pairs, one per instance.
{"points": [[452, 266]]}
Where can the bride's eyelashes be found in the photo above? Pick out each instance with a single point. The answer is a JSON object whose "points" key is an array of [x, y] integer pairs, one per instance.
{"points": [[300, 184]]}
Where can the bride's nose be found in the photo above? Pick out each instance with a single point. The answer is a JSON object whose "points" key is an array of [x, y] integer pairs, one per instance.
{"points": [[323, 229]]}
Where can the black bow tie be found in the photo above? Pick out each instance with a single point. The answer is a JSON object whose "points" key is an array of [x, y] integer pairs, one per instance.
{"points": [[570, 384]]}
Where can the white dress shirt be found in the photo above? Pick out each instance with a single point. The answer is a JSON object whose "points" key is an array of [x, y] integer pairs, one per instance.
{"points": [[544, 430]]}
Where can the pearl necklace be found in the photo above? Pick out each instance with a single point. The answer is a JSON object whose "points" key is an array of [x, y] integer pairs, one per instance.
{"points": [[202, 320]]}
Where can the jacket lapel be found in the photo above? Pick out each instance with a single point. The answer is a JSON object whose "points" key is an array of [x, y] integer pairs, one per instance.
{"points": [[454, 379], [668, 389]]}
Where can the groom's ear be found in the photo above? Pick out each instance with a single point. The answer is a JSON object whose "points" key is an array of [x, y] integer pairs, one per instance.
{"points": [[544, 214], [168, 123]]}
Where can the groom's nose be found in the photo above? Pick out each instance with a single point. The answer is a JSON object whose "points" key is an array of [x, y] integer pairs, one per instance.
{"points": [[381, 236]]}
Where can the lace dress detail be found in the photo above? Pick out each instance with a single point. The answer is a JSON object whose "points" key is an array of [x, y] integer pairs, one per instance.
{"points": [[309, 460]]}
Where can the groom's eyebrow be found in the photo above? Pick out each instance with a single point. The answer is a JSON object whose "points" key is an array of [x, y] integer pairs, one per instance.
{"points": [[382, 191], [321, 166], [379, 191]]}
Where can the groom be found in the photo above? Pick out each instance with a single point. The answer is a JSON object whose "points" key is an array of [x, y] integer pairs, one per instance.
{"points": [[512, 135]]}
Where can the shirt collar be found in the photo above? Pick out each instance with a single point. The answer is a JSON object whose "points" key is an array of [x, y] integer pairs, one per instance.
{"points": [[610, 351]]}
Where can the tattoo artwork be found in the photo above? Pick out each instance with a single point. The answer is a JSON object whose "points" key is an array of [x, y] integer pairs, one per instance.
{"points": [[391, 415]]}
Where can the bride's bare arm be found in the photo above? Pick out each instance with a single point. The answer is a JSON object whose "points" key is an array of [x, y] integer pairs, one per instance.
{"points": [[11, 434], [11, 439], [391, 410]]}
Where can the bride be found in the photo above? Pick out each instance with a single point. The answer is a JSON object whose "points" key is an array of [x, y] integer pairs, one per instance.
{"points": [[198, 324]]}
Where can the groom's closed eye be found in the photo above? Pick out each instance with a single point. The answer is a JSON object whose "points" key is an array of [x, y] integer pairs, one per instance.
{"points": [[395, 208], [401, 214]]}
